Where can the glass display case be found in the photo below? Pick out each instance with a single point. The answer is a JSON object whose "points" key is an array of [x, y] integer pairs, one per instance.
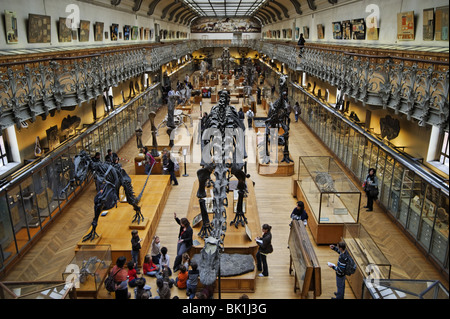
{"points": [[403, 184], [54, 290], [88, 269], [370, 260], [330, 196], [38, 192], [404, 289]]}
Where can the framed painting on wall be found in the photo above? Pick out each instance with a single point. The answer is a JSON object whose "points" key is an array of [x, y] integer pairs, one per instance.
{"points": [[134, 33], [126, 32], [11, 27], [405, 26], [64, 33], [358, 29], [428, 24], [98, 31], [114, 32], [320, 31], [39, 28], [346, 30], [84, 30], [146, 33], [306, 32], [441, 32], [297, 33], [337, 30], [372, 28]]}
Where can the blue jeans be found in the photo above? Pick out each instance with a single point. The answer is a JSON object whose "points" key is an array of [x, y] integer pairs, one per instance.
{"points": [[135, 258], [340, 284]]}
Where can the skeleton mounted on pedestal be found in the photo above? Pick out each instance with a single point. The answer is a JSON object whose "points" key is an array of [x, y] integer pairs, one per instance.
{"points": [[223, 155], [111, 177], [278, 117]]}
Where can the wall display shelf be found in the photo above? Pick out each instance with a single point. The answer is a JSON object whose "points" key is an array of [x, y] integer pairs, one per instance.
{"points": [[330, 197], [370, 260], [416, 199], [88, 269]]}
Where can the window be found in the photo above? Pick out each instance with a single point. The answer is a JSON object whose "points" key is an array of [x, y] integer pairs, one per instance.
{"points": [[3, 155], [444, 156]]}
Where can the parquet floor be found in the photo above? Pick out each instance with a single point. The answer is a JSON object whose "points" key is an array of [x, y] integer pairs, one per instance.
{"points": [[54, 251]]}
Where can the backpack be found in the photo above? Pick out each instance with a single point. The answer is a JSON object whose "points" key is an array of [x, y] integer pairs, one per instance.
{"points": [[350, 266], [110, 283]]}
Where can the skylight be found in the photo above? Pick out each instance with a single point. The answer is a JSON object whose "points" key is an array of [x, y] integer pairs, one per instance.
{"points": [[225, 8]]}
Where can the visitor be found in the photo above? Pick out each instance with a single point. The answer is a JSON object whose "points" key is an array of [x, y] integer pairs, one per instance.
{"points": [[108, 157], [340, 269], [163, 289], [265, 248], [120, 275], [164, 261], [250, 116], [132, 274], [301, 44], [182, 278], [156, 250], [299, 213], [370, 186], [149, 160], [192, 282], [171, 170], [297, 111], [184, 239], [149, 268], [135, 247]]}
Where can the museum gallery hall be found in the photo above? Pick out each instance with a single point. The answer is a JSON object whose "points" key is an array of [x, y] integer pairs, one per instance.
{"points": [[269, 149]]}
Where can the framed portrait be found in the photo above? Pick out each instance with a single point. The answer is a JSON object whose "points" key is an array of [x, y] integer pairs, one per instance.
{"points": [[405, 26], [11, 27], [320, 31], [441, 26], [306, 32], [126, 32], [337, 30], [84, 30], [428, 24], [346, 30], [98, 31], [114, 32], [39, 28]]}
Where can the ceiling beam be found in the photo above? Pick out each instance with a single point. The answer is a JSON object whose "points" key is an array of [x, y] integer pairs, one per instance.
{"points": [[175, 10], [178, 15], [297, 6], [277, 12], [311, 5], [137, 5], [166, 9], [270, 13], [152, 7], [282, 7]]}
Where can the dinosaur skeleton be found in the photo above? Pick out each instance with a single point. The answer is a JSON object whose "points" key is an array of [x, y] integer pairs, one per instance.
{"points": [[278, 116], [111, 177], [224, 136]]}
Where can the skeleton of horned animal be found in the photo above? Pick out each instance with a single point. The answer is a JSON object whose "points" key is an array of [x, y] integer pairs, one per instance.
{"points": [[223, 155], [111, 177]]}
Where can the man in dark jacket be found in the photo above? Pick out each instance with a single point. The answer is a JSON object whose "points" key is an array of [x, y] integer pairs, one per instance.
{"points": [[340, 248], [301, 44]]}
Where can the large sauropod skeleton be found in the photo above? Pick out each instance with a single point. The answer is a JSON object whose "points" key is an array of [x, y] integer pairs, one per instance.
{"points": [[224, 156]]}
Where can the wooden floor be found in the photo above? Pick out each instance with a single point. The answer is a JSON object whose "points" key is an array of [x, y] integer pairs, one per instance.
{"points": [[54, 251]]}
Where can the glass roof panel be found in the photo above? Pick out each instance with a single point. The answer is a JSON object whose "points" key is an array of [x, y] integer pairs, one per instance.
{"points": [[228, 8]]}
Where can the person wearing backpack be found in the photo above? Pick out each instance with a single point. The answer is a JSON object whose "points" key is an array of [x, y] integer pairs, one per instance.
{"points": [[341, 268]]}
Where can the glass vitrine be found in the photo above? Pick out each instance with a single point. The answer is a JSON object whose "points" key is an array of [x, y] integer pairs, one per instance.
{"points": [[439, 243], [402, 189], [7, 240], [369, 258], [330, 196], [88, 268], [404, 289]]}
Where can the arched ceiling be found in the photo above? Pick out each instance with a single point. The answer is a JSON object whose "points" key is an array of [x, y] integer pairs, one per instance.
{"points": [[184, 11]]}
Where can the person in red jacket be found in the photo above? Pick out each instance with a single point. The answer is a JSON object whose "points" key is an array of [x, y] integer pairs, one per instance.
{"points": [[182, 277], [149, 268]]}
